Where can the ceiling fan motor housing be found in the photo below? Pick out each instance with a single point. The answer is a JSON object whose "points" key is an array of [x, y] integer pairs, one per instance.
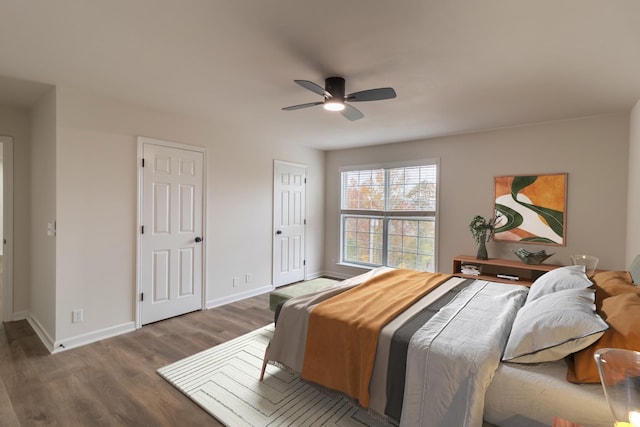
{"points": [[335, 86]]}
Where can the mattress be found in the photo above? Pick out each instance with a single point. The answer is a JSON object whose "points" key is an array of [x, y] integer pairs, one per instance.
{"points": [[531, 395]]}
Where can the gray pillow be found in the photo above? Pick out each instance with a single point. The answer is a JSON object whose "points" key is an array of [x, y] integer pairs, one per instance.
{"points": [[569, 277], [554, 326]]}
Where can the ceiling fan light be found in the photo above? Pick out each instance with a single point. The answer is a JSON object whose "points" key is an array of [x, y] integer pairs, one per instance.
{"points": [[333, 105]]}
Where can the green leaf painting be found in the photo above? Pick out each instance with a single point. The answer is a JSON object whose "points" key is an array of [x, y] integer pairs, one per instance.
{"points": [[532, 208]]}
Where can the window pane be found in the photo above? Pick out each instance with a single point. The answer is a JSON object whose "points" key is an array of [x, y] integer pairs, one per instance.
{"points": [[395, 228], [364, 245], [410, 228], [363, 190], [378, 239], [410, 243], [427, 261], [395, 243], [414, 248], [350, 224], [350, 252], [350, 237], [412, 188], [427, 229]]}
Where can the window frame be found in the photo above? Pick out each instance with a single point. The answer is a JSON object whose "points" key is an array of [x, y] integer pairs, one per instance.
{"points": [[386, 215]]}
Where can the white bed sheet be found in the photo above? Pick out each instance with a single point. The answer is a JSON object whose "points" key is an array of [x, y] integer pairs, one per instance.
{"points": [[531, 395]]}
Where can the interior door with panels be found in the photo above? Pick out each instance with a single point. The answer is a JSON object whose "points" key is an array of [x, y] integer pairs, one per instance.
{"points": [[171, 256], [289, 221]]}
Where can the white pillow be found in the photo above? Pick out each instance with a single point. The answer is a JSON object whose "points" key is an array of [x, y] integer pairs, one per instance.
{"points": [[554, 326], [569, 277]]}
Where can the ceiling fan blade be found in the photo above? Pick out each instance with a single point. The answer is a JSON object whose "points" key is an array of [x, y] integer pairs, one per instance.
{"points": [[371, 95], [313, 87], [299, 106], [351, 113]]}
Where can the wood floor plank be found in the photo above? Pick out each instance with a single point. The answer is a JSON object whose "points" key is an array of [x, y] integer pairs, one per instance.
{"points": [[114, 382], [8, 417]]}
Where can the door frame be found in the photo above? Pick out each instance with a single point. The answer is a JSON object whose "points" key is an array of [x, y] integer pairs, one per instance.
{"points": [[7, 206], [276, 163], [142, 140]]}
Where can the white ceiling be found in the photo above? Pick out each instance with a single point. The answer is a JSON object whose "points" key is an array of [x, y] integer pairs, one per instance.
{"points": [[456, 65]]}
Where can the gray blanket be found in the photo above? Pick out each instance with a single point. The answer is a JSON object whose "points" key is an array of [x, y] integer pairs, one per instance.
{"points": [[453, 357], [386, 388]]}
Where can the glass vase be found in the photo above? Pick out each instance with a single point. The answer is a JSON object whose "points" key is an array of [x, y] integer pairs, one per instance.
{"points": [[482, 248], [619, 371]]}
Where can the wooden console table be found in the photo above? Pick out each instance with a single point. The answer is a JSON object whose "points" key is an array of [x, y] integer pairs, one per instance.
{"points": [[490, 268]]}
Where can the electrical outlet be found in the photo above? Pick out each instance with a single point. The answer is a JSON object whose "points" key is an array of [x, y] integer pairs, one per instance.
{"points": [[77, 316], [248, 278], [236, 282]]}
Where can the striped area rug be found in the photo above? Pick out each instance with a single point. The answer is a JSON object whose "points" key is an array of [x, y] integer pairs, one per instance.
{"points": [[223, 380]]}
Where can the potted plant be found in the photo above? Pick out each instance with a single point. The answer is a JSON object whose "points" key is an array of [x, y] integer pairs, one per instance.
{"points": [[482, 229]]}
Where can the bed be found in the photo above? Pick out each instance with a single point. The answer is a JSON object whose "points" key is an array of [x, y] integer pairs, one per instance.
{"points": [[463, 352]]}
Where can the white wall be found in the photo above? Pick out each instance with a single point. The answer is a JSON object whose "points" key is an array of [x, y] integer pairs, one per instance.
{"points": [[96, 207], [15, 122], [633, 193], [592, 150], [42, 258]]}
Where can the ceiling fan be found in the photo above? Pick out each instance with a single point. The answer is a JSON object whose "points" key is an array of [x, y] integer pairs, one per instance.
{"points": [[336, 100]]}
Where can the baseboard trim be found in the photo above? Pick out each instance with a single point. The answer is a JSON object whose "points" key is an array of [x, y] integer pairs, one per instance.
{"points": [[237, 297], [315, 275], [40, 332], [91, 337], [78, 340]]}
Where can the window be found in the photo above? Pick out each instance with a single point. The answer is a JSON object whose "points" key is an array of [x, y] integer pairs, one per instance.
{"points": [[388, 216]]}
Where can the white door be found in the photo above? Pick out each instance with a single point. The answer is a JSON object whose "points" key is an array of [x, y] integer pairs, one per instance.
{"points": [[6, 274], [171, 248], [288, 222]]}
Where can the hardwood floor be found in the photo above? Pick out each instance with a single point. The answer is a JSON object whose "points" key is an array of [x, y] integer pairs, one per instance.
{"points": [[114, 382]]}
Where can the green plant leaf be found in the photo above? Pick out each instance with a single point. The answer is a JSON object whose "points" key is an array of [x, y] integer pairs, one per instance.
{"points": [[514, 219], [520, 182]]}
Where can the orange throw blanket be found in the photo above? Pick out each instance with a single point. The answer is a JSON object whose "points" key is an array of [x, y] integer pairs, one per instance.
{"points": [[343, 331]]}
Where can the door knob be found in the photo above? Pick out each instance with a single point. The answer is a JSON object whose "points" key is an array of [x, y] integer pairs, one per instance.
{"points": [[279, 232], [198, 239]]}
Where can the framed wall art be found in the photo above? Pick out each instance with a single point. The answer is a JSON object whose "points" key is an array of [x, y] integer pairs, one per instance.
{"points": [[531, 209]]}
